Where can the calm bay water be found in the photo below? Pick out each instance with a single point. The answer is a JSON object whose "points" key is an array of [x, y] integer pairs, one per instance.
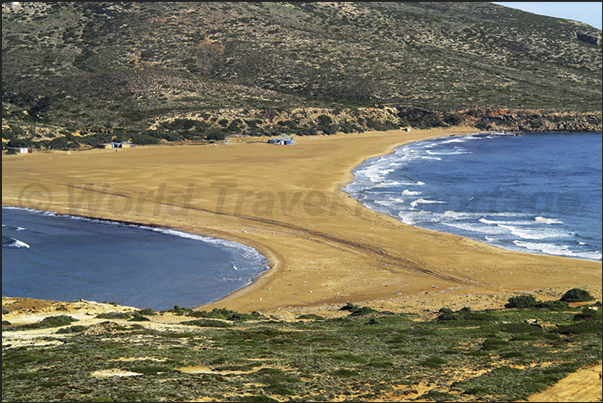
{"points": [[538, 193], [67, 258]]}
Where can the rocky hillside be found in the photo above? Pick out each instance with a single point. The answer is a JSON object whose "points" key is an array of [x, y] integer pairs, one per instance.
{"points": [[131, 66]]}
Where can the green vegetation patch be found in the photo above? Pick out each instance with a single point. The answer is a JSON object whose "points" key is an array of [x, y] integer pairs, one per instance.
{"points": [[577, 295], [206, 323], [357, 357], [356, 310], [114, 315], [50, 321], [227, 314], [311, 316]]}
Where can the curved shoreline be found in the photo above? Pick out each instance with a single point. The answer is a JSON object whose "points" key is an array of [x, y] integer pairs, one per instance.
{"points": [[347, 253], [516, 249], [346, 178], [217, 242]]}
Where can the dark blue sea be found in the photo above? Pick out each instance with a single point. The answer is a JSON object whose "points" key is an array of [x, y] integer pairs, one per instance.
{"points": [[65, 258], [538, 193]]}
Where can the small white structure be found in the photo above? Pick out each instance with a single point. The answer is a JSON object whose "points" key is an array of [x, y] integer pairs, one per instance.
{"points": [[19, 150], [283, 140]]}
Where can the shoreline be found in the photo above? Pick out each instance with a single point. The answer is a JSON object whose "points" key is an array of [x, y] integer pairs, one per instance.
{"points": [[516, 249], [150, 227], [326, 240]]}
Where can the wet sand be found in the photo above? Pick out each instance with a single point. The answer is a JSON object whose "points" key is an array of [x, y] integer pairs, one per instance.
{"points": [[324, 248]]}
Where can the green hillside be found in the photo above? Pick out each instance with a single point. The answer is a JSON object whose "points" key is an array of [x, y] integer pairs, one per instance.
{"points": [[130, 65]]}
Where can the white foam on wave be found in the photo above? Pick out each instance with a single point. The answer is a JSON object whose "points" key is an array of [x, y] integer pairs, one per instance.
{"points": [[397, 200], [451, 152], [384, 202], [458, 215], [496, 222], [547, 220], [15, 243], [425, 201], [508, 214], [482, 229], [406, 218], [493, 135], [407, 192], [559, 250], [48, 213], [459, 140], [535, 233], [389, 184], [462, 139], [231, 278], [248, 252], [375, 173]]}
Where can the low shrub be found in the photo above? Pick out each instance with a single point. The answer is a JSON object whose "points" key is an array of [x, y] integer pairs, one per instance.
{"points": [[256, 398], [433, 362], [521, 301], [139, 318], [206, 323], [146, 311], [50, 321], [179, 310], [311, 316], [581, 327], [465, 314], [356, 310], [529, 302], [380, 364], [493, 344], [71, 329], [588, 314], [114, 315], [437, 396], [279, 389], [227, 314], [577, 295]]}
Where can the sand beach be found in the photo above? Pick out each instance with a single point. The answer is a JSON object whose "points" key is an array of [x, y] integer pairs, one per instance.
{"points": [[324, 248]]}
